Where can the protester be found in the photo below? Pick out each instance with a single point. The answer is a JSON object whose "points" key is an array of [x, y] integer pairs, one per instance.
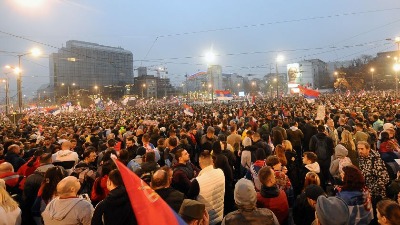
{"points": [[10, 213], [331, 211], [388, 212], [116, 208], [211, 182], [194, 212], [161, 183], [248, 213], [68, 208]]}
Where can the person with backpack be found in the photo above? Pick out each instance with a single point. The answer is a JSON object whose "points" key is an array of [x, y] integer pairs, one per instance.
{"points": [[252, 173], [148, 167], [340, 160], [323, 147], [85, 171]]}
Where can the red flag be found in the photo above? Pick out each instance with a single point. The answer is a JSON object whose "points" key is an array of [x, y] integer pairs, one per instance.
{"points": [[308, 93], [148, 206]]}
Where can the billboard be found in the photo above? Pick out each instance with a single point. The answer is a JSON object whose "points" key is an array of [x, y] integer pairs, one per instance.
{"points": [[293, 73]]}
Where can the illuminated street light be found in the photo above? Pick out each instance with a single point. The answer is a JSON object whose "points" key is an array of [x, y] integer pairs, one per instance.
{"points": [[68, 86], [372, 74], [396, 68], [279, 59], [34, 52], [143, 87], [210, 58]]}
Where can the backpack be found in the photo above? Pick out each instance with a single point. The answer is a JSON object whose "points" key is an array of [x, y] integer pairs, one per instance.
{"points": [[86, 178], [254, 175], [321, 149]]}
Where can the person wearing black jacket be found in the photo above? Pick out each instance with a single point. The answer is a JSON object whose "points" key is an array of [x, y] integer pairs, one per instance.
{"points": [[116, 208], [161, 183]]}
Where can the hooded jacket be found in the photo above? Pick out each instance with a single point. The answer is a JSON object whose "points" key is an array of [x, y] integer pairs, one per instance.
{"points": [[115, 209], [69, 211], [313, 167], [341, 160], [275, 200]]}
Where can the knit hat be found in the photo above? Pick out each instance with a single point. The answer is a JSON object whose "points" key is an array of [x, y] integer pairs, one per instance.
{"points": [[245, 193], [192, 208], [332, 211], [341, 151], [313, 191]]}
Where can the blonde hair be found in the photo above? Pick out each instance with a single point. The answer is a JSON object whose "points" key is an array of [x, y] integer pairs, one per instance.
{"points": [[347, 138], [6, 202], [288, 145]]}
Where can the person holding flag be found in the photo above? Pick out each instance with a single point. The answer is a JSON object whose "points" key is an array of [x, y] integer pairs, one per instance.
{"points": [[148, 207], [116, 208]]}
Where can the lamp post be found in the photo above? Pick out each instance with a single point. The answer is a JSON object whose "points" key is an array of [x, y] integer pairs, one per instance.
{"points": [[6, 81], [63, 84], [210, 57], [34, 52], [396, 68], [276, 82], [143, 87], [96, 88], [278, 60], [372, 77]]}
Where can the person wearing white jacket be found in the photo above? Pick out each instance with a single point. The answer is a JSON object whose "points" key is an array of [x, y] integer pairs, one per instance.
{"points": [[212, 188], [10, 213]]}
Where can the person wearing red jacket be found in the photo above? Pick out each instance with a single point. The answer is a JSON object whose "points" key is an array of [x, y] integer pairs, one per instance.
{"points": [[271, 197], [13, 180]]}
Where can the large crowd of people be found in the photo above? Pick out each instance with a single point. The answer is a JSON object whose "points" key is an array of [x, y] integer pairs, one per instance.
{"points": [[267, 162]]}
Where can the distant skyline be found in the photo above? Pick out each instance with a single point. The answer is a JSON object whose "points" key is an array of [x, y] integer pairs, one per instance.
{"points": [[245, 36]]}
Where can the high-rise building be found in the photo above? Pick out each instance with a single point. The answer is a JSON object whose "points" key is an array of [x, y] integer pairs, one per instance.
{"points": [[89, 66]]}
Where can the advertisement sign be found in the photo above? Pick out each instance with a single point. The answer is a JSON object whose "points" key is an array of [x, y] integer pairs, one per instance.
{"points": [[293, 73]]}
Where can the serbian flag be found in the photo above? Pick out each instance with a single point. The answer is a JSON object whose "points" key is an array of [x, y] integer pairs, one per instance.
{"points": [[308, 93], [148, 206], [223, 95], [188, 110]]}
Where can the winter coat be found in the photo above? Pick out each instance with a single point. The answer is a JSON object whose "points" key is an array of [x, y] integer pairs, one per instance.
{"points": [[275, 200], [295, 136], [115, 209], [15, 160], [69, 211], [360, 208], [172, 197], [212, 192], [375, 173], [303, 213], [10, 218], [254, 216]]}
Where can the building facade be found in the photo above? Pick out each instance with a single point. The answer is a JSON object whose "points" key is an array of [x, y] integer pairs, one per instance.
{"points": [[89, 66]]}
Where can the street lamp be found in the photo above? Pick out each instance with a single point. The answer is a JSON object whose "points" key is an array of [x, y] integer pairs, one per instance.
{"points": [[34, 52], [372, 76], [278, 60], [6, 81], [276, 82], [63, 84], [396, 68], [143, 87], [210, 57]]}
